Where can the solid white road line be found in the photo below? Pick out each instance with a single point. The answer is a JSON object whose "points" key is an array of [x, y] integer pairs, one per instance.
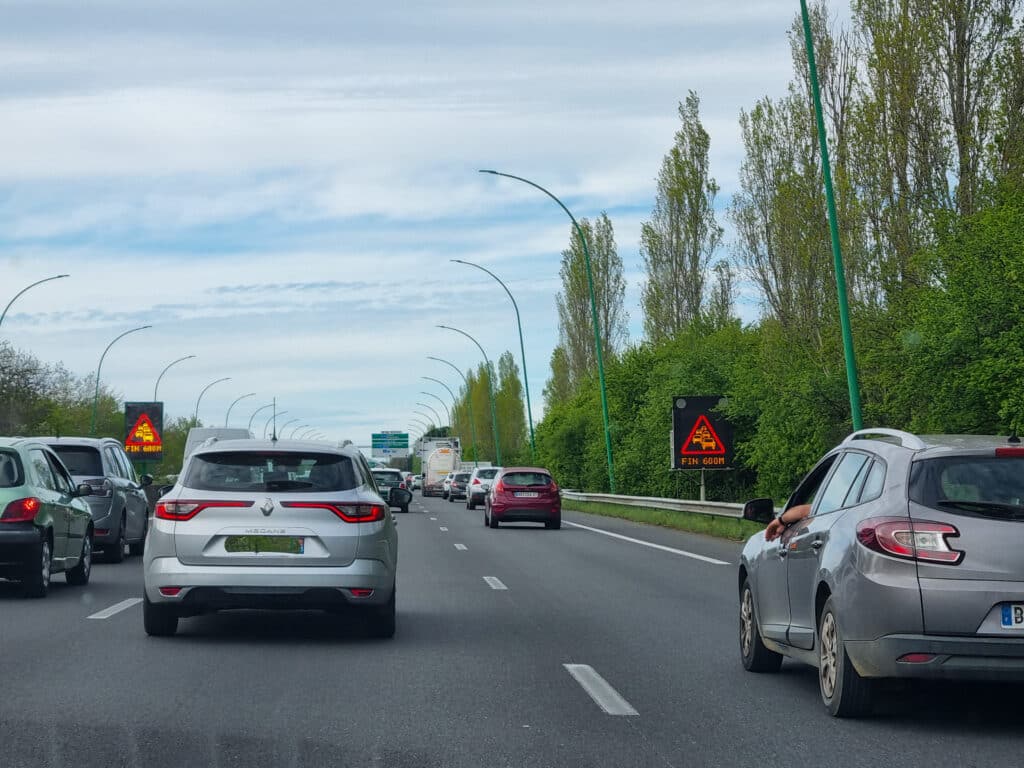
{"points": [[606, 697], [461, 547], [106, 613], [662, 547], [433, 518], [494, 582], [443, 528]]}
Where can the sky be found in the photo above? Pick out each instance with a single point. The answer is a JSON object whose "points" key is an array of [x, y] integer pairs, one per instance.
{"points": [[278, 188]]}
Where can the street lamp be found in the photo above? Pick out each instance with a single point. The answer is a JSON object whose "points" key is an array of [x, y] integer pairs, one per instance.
{"points": [[296, 429], [26, 288], [307, 433], [433, 424], [433, 411], [442, 402], [593, 314], [99, 368], [273, 417], [157, 385], [522, 349], [469, 399], [261, 408], [490, 389], [200, 398], [290, 421], [228, 414]]}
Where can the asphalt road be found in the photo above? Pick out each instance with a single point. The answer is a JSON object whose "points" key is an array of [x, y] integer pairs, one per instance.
{"points": [[515, 647]]}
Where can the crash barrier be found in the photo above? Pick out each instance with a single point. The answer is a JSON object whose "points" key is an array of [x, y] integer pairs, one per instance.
{"points": [[717, 508]]}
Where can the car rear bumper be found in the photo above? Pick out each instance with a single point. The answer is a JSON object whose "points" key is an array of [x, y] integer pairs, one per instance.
{"points": [[215, 587], [961, 658], [510, 514], [18, 542]]}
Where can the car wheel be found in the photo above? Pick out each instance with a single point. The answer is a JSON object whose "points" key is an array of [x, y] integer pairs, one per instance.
{"points": [[469, 503], [115, 553], [382, 619], [554, 525], [38, 570], [138, 547], [159, 620], [405, 509], [493, 521], [79, 575], [844, 692], [755, 655]]}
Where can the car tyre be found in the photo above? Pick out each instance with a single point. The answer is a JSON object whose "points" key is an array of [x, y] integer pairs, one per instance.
{"points": [[405, 509], [159, 620], [553, 525], [137, 548], [38, 570], [756, 656], [469, 503], [844, 692], [115, 553], [79, 575], [493, 521], [382, 619]]}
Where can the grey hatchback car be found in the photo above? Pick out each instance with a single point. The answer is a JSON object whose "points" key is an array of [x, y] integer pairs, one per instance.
{"points": [[272, 524], [910, 564]]}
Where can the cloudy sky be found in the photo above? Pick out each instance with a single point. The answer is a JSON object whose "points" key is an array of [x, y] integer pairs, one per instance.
{"points": [[278, 187]]}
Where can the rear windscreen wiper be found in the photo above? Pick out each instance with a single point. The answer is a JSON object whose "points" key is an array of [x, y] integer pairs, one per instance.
{"points": [[992, 508]]}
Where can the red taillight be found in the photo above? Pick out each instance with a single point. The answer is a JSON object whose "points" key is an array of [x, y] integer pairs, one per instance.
{"points": [[910, 539], [361, 592], [21, 510], [402, 486], [350, 513], [476, 481], [180, 511], [916, 658], [170, 591], [498, 487]]}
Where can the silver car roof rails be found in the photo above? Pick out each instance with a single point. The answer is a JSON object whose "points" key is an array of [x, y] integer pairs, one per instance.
{"points": [[907, 440]]}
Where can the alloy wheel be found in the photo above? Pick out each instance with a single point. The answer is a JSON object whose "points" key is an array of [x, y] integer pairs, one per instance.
{"points": [[746, 622], [45, 550], [828, 668]]}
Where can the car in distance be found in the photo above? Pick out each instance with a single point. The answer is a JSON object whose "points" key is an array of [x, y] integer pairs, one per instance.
{"points": [[118, 503], [272, 524], [457, 487], [523, 494], [479, 484], [908, 565], [446, 486], [417, 483], [45, 528], [387, 479]]}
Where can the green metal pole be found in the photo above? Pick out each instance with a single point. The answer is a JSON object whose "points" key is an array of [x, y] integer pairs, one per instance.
{"points": [[227, 415], [593, 313], [430, 419], [26, 288], [469, 402], [99, 368], [522, 351], [444, 405], [833, 227], [433, 410], [490, 389]]}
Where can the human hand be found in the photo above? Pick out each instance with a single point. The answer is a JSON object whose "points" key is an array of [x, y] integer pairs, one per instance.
{"points": [[774, 529]]}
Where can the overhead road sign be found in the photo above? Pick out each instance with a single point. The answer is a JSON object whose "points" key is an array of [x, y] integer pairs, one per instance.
{"points": [[144, 426], [701, 437]]}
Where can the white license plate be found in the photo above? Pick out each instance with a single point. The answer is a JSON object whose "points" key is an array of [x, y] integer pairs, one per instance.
{"points": [[527, 494], [1013, 616]]}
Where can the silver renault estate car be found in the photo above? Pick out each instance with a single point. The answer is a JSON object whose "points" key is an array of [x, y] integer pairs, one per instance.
{"points": [[272, 524], [909, 564]]}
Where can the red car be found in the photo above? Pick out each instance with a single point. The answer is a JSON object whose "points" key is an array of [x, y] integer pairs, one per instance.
{"points": [[523, 494]]}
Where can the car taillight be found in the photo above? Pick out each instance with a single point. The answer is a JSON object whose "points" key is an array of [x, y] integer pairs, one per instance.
{"points": [[476, 481], [180, 511], [402, 486], [909, 539], [350, 513], [498, 487], [21, 510]]}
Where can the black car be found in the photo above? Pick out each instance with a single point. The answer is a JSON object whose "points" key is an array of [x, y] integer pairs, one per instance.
{"points": [[387, 479], [459, 484]]}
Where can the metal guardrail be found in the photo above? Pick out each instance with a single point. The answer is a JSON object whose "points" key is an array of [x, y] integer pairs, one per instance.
{"points": [[718, 508]]}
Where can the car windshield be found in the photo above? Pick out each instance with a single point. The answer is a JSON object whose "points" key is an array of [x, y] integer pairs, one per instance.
{"points": [[983, 486], [11, 475], [527, 478], [80, 459], [271, 471]]}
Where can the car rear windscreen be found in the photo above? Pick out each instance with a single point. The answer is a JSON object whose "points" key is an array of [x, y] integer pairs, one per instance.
{"points": [[527, 478], [11, 475], [291, 471], [982, 486], [80, 459], [462, 477], [486, 474]]}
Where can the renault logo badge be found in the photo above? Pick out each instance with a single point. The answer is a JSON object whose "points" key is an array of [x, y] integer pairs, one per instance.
{"points": [[267, 507]]}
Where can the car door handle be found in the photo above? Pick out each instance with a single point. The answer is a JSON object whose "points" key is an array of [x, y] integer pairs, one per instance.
{"points": [[817, 544], [783, 551]]}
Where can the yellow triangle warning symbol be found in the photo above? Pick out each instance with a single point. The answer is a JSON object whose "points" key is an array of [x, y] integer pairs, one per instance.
{"points": [[703, 440], [144, 433]]}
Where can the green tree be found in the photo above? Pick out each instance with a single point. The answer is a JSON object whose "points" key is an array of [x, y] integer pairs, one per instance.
{"points": [[559, 386]]}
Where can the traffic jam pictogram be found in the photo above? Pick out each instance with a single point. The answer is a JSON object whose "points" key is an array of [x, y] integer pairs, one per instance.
{"points": [[701, 437]]}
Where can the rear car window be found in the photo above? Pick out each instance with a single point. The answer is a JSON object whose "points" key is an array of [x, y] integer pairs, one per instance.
{"points": [[486, 474], [387, 478], [983, 486], [294, 471], [526, 478], [462, 477], [11, 473], [80, 459]]}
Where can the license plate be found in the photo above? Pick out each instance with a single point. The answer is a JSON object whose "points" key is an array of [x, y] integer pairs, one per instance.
{"points": [[281, 545], [527, 494], [1013, 616]]}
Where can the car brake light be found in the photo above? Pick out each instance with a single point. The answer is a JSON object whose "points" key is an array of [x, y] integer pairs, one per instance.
{"points": [[402, 486], [170, 591], [498, 487], [910, 539], [476, 481], [21, 510], [916, 658], [350, 513], [180, 511], [361, 592]]}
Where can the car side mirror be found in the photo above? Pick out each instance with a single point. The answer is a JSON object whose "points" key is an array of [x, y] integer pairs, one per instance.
{"points": [[399, 497], [146, 480], [163, 490], [759, 511], [83, 489]]}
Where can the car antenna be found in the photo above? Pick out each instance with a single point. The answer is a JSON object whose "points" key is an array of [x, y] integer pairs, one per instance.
{"points": [[1013, 437], [273, 432]]}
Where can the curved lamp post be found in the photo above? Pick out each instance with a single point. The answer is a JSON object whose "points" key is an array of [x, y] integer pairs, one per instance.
{"points": [[26, 288], [469, 399], [442, 402], [296, 429], [273, 417], [593, 314], [261, 408], [228, 414], [290, 421], [200, 398], [490, 389], [430, 419], [433, 410], [99, 369], [306, 433], [522, 349], [169, 365]]}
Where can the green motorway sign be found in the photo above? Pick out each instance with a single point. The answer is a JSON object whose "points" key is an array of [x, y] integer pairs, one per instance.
{"points": [[389, 440]]}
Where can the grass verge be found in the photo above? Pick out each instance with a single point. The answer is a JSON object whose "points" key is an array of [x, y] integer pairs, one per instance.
{"points": [[735, 529]]}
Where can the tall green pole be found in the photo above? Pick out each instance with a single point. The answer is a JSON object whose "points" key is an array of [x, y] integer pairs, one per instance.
{"points": [[522, 350], [593, 314], [444, 405], [469, 401], [490, 389], [99, 368], [833, 227]]}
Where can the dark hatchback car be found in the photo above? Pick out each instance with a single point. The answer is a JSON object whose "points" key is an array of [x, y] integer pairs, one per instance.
{"points": [[118, 503], [523, 494], [457, 489]]}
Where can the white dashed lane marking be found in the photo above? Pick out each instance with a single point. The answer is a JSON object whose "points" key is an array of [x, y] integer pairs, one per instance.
{"points": [[106, 613], [494, 582], [600, 690], [443, 528], [461, 547]]}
